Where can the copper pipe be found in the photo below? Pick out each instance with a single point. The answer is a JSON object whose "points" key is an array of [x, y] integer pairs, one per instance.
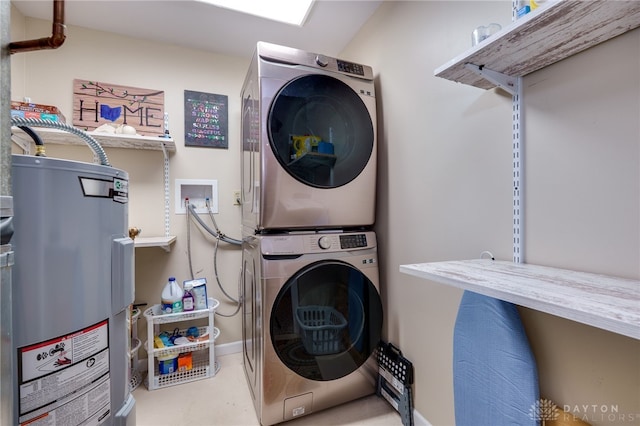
{"points": [[53, 42]]}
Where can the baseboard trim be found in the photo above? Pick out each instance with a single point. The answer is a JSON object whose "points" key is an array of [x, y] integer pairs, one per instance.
{"points": [[229, 348], [418, 420]]}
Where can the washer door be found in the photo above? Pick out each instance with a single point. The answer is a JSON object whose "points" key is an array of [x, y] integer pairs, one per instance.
{"points": [[320, 131], [326, 320]]}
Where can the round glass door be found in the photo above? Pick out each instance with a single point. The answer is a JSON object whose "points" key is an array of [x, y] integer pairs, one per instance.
{"points": [[326, 321], [320, 131]]}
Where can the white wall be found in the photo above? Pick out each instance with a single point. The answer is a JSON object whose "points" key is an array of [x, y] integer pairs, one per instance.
{"points": [[445, 193], [47, 78]]}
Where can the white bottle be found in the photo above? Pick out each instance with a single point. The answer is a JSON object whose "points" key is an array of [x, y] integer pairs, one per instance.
{"points": [[187, 299], [171, 297]]}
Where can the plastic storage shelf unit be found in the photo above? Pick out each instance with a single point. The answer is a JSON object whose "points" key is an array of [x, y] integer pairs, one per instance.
{"points": [[135, 377], [204, 364]]}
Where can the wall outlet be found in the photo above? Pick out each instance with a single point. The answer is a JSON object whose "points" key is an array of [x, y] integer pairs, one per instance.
{"points": [[199, 192], [236, 198]]}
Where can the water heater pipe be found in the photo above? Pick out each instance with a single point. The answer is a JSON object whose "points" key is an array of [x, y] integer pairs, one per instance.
{"points": [[90, 140], [57, 34]]}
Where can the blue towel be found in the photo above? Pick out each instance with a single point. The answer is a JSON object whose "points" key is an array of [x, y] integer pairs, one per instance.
{"points": [[495, 377]]}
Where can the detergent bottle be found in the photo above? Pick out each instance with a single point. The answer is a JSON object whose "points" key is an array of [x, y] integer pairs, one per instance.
{"points": [[188, 301], [172, 297]]}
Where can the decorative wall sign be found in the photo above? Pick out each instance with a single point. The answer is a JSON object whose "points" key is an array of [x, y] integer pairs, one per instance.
{"points": [[205, 120], [96, 103]]}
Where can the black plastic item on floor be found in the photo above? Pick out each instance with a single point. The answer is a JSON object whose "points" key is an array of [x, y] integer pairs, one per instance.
{"points": [[395, 377]]}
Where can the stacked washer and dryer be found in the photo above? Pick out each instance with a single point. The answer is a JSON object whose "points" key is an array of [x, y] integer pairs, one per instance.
{"points": [[312, 313]]}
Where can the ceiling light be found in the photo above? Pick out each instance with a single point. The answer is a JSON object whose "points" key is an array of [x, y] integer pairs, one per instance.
{"points": [[289, 11]]}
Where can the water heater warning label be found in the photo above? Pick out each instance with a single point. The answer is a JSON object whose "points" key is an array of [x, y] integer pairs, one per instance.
{"points": [[65, 381], [116, 189]]}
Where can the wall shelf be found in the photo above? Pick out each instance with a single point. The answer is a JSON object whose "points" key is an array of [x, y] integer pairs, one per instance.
{"points": [[106, 140], [161, 242], [551, 33], [601, 301], [547, 35]]}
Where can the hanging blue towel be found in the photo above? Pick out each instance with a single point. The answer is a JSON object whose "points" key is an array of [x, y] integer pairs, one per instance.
{"points": [[495, 377]]}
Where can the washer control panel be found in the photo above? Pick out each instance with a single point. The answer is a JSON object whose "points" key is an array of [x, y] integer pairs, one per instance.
{"points": [[339, 242], [291, 244], [353, 241], [350, 67], [324, 242]]}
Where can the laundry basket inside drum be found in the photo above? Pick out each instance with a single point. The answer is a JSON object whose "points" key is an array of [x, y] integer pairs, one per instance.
{"points": [[321, 329]]}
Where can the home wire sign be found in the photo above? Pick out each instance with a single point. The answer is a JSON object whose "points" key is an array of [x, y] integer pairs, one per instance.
{"points": [[205, 120], [96, 103]]}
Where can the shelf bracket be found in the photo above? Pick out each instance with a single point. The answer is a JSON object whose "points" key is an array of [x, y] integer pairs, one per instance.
{"points": [[513, 85], [506, 82], [518, 174], [166, 184]]}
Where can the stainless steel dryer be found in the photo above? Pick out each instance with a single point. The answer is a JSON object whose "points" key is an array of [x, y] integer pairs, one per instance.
{"points": [[308, 141], [312, 318]]}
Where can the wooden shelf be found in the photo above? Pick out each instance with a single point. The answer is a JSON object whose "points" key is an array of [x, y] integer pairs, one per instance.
{"points": [[601, 301], [547, 35], [161, 242], [106, 140]]}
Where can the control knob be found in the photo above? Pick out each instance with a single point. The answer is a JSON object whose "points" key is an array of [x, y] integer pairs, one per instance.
{"points": [[324, 243], [322, 60]]}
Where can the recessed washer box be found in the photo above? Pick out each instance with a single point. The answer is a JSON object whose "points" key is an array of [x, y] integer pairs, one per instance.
{"points": [[198, 191]]}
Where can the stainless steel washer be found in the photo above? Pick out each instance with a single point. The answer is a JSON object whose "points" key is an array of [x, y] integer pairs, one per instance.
{"points": [[312, 318], [308, 142]]}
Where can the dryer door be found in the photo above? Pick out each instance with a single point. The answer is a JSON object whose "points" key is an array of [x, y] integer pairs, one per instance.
{"points": [[320, 131], [326, 320]]}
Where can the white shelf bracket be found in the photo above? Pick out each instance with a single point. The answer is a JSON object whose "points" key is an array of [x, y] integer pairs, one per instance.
{"points": [[166, 189], [513, 85], [506, 82], [518, 175]]}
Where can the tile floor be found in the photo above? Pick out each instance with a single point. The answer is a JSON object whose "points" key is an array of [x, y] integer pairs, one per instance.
{"points": [[224, 400]]}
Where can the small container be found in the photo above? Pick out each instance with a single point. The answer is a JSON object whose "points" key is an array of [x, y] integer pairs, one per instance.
{"points": [[199, 292], [483, 32], [536, 4], [185, 361], [522, 8], [188, 301], [172, 297], [167, 364]]}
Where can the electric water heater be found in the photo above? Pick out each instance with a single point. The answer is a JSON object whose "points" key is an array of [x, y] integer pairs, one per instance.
{"points": [[73, 284]]}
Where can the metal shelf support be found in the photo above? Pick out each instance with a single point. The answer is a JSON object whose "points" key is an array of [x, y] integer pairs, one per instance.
{"points": [[506, 82], [518, 175], [513, 85], [166, 184]]}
